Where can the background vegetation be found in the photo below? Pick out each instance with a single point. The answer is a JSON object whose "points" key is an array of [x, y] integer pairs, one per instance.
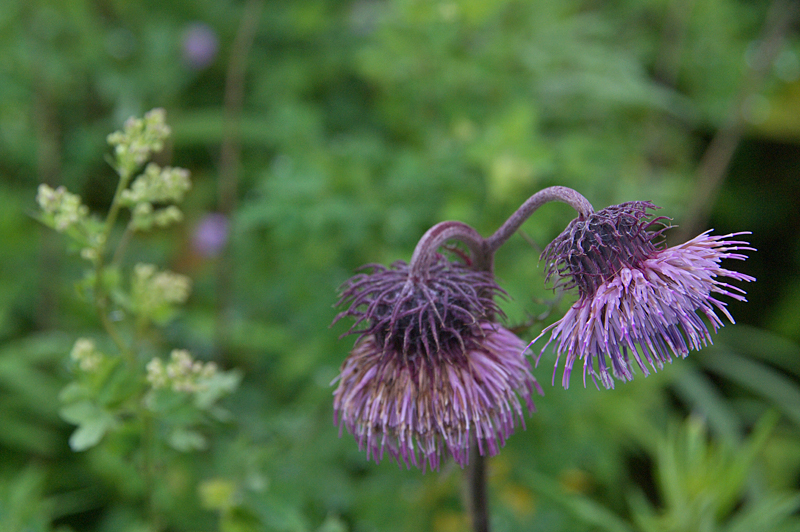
{"points": [[330, 134]]}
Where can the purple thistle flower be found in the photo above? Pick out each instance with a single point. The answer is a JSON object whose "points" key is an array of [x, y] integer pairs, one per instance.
{"points": [[200, 45], [429, 370], [636, 292], [211, 234]]}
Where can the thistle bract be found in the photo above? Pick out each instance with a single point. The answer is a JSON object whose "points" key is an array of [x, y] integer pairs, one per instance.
{"points": [[637, 299]]}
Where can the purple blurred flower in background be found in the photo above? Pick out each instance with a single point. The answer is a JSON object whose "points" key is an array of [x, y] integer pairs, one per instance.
{"points": [[633, 291], [200, 45], [430, 370], [211, 235]]}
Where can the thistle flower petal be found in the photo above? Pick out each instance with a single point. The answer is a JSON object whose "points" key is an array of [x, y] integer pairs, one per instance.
{"points": [[637, 299]]}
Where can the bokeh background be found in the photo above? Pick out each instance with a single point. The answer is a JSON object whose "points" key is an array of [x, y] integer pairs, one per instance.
{"points": [[323, 135]]}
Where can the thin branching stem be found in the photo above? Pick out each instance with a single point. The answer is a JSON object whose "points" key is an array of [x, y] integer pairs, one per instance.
{"points": [[515, 221], [230, 159], [100, 296]]}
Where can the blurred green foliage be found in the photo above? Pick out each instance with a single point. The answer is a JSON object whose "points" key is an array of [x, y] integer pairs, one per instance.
{"points": [[363, 123]]}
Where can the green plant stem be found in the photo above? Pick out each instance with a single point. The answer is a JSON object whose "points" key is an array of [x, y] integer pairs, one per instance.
{"points": [[125, 175], [229, 161], [716, 160], [149, 463], [100, 296], [476, 487], [123, 243], [483, 249]]}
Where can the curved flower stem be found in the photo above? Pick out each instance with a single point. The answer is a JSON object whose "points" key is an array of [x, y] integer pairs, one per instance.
{"points": [[425, 252], [482, 252], [563, 194]]}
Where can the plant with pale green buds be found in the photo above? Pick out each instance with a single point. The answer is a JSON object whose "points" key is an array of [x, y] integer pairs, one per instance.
{"points": [[85, 355], [60, 208], [182, 373], [119, 389], [185, 391], [138, 140], [151, 196], [156, 186], [154, 293]]}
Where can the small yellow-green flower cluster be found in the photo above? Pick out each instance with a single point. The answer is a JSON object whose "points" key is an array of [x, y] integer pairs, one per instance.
{"points": [[63, 208], [156, 185], [85, 354], [182, 373], [145, 216], [139, 138], [152, 289]]}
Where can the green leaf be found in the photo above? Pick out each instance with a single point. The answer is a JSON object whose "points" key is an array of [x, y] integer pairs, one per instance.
{"points": [[23, 507], [582, 508], [73, 392], [759, 378], [93, 423], [333, 523], [185, 440], [80, 412], [698, 390], [220, 384], [90, 432], [217, 493], [767, 514]]}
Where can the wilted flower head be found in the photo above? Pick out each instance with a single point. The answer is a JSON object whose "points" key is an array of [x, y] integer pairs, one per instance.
{"points": [[429, 370], [634, 291]]}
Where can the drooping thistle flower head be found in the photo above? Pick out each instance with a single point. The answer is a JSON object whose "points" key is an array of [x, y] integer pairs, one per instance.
{"points": [[430, 369], [637, 298]]}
